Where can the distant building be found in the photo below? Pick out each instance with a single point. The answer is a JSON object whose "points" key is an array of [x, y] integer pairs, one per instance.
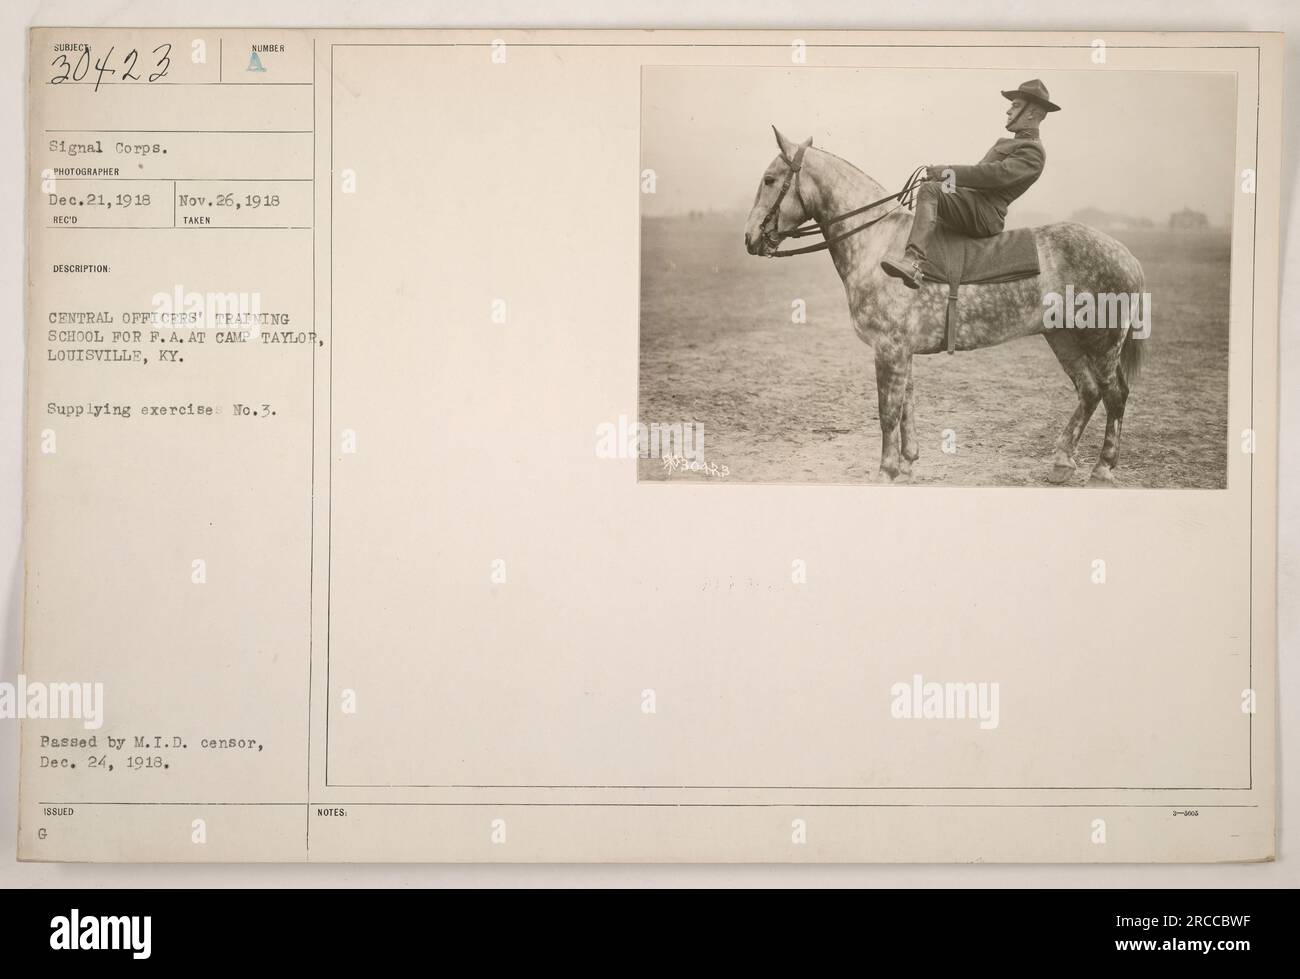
{"points": [[1188, 220]]}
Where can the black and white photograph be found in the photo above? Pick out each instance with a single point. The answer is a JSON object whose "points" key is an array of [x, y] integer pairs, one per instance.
{"points": [[955, 277]]}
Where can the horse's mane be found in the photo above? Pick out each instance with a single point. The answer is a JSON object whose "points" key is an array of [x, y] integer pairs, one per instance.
{"points": [[847, 163], [852, 166]]}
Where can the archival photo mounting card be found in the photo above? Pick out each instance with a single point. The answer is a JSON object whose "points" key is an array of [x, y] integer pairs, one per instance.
{"points": [[676, 446]]}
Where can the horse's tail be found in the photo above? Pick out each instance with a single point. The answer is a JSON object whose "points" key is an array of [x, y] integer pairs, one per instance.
{"points": [[1133, 354]]}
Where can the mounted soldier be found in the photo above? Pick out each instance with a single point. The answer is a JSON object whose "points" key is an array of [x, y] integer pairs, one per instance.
{"points": [[973, 200], [806, 192]]}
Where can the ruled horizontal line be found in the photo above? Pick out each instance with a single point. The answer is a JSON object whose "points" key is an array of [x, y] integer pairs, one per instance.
{"points": [[178, 227], [254, 132], [778, 46], [701, 805], [821, 788], [129, 803], [158, 85], [196, 180]]}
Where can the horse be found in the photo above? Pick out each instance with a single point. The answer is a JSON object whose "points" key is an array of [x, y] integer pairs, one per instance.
{"points": [[897, 322]]}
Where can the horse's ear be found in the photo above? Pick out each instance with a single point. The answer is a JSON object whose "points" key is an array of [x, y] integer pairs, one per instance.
{"points": [[808, 142], [786, 147]]}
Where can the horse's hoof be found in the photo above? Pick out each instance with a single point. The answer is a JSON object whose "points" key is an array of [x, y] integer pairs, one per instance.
{"points": [[902, 478], [883, 478], [1060, 474], [1102, 477]]}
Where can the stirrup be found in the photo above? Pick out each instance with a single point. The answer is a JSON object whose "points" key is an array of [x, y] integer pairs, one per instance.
{"points": [[907, 270]]}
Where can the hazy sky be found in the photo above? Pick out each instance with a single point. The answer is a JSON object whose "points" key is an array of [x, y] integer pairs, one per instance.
{"points": [[1144, 143]]}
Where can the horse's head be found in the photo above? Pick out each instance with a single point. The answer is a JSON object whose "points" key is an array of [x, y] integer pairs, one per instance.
{"points": [[778, 207]]}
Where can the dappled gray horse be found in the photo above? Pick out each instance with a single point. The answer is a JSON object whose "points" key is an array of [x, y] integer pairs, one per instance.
{"points": [[898, 322]]}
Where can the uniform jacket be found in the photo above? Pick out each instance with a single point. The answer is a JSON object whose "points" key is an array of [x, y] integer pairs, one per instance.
{"points": [[1006, 172]]}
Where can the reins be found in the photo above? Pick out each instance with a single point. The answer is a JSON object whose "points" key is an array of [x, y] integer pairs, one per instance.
{"points": [[774, 236]]}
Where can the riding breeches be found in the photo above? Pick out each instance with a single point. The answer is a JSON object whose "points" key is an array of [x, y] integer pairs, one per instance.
{"points": [[963, 210]]}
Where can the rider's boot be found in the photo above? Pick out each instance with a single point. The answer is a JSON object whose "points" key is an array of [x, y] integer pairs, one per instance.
{"points": [[907, 268]]}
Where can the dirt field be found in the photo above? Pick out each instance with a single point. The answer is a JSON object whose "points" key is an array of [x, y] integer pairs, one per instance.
{"points": [[786, 402]]}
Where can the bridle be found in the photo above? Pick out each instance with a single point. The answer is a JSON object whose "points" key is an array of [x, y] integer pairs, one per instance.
{"points": [[770, 227]]}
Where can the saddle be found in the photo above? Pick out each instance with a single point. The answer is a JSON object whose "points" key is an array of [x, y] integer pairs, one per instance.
{"points": [[960, 260]]}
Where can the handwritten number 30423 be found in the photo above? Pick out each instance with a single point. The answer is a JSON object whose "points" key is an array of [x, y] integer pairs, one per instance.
{"points": [[77, 72]]}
